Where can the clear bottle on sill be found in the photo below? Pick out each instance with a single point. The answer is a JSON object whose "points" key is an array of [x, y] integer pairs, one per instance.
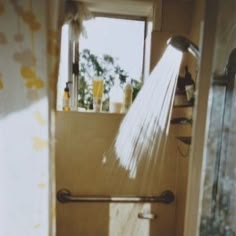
{"points": [[116, 97]]}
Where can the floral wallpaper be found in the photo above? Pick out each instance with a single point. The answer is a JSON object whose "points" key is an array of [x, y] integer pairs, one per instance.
{"points": [[28, 72]]}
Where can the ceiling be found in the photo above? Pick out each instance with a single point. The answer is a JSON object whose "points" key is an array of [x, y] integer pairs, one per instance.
{"points": [[141, 8]]}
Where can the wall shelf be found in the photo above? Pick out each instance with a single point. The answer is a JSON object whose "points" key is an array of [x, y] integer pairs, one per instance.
{"points": [[186, 140], [181, 121], [184, 105]]}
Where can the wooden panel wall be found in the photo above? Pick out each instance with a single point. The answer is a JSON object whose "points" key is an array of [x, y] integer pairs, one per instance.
{"points": [[81, 139]]}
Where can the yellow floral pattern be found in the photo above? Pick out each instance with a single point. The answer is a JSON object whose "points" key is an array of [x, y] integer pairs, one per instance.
{"points": [[31, 79], [27, 16], [29, 39], [39, 144], [25, 57], [39, 118], [42, 185]]}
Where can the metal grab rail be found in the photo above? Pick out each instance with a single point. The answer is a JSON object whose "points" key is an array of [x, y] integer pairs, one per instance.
{"points": [[65, 196]]}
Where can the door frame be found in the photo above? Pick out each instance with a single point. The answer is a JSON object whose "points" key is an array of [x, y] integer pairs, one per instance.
{"points": [[200, 130]]}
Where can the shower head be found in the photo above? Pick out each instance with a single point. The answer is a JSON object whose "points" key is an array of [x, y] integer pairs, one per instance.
{"points": [[184, 45]]}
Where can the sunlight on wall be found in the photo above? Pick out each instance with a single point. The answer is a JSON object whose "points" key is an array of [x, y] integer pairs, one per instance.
{"points": [[23, 176], [122, 222]]}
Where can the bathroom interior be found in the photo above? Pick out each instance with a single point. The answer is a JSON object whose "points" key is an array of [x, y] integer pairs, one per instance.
{"points": [[83, 137], [188, 188]]}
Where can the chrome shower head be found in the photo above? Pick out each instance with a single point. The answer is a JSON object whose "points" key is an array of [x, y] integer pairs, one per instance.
{"points": [[184, 45]]}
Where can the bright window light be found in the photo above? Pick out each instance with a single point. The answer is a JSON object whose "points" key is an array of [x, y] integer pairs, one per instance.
{"points": [[64, 65], [116, 44], [120, 38]]}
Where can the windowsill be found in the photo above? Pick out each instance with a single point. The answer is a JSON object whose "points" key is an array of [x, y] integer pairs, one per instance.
{"points": [[92, 112], [88, 120]]}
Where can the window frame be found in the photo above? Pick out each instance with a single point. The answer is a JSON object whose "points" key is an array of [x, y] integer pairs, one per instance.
{"points": [[70, 43], [123, 17]]}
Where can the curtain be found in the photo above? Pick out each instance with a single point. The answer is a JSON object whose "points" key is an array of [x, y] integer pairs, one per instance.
{"points": [[74, 16], [29, 39]]}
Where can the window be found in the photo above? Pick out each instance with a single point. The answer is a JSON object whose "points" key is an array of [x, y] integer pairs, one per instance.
{"points": [[109, 48], [64, 69], [120, 38]]}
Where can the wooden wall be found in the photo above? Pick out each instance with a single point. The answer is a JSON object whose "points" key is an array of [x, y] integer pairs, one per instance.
{"points": [[175, 19], [81, 139]]}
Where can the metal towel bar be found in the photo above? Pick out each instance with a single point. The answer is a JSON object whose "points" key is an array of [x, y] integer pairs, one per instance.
{"points": [[65, 196]]}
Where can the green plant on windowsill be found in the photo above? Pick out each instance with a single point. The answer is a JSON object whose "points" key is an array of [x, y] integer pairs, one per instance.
{"points": [[106, 66]]}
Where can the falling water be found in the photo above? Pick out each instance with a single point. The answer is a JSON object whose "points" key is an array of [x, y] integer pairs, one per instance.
{"points": [[143, 131]]}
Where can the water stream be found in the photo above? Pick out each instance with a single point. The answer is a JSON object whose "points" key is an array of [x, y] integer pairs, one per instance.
{"points": [[143, 131]]}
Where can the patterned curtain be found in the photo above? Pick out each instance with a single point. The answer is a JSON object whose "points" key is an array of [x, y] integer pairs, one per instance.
{"points": [[29, 46]]}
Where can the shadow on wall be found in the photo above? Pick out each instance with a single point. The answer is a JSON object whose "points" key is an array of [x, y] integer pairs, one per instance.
{"points": [[23, 71]]}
